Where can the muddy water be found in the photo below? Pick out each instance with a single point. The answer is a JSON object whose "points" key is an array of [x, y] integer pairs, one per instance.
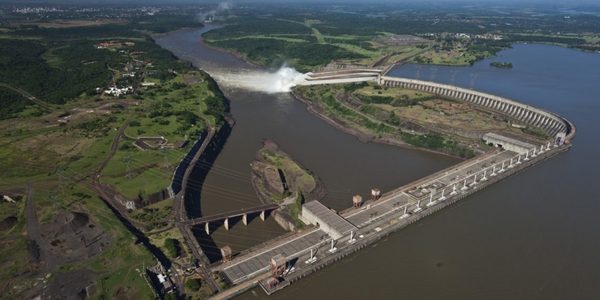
{"points": [[345, 165], [533, 236]]}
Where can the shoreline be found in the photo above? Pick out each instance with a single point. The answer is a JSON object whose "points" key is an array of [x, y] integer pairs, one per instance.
{"points": [[236, 54], [365, 137]]}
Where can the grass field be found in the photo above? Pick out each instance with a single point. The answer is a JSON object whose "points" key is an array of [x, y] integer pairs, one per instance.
{"points": [[57, 148], [176, 111]]}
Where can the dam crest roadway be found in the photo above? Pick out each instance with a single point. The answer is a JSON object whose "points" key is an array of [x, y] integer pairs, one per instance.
{"points": [[337, 234]]}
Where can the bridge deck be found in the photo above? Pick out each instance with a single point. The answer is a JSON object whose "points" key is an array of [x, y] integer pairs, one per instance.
{"points": [[444, 180], [256, 263], [231, 214]]}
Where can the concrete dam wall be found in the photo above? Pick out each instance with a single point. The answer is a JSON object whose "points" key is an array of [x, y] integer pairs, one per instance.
{"points": [[554, 125]]}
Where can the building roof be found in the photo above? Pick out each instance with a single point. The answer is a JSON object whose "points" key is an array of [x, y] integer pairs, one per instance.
{"points": [[502, 138], [327, 216]]}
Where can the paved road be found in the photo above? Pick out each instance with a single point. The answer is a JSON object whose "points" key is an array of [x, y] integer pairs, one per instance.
{"points": [[446, 180], [367, 217], [259, 261]]}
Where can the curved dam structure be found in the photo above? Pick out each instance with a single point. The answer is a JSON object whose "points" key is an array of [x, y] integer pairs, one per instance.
{"points": [[552, 124], [557, 127]]}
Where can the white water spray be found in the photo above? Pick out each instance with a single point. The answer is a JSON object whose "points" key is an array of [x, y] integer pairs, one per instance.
{"points": [[280, 81]]}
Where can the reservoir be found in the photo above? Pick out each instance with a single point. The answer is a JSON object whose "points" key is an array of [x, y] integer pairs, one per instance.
{"points": [[531, 236]]}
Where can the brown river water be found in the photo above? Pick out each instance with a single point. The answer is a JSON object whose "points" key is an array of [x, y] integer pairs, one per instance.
{"points": [[533, 236]]}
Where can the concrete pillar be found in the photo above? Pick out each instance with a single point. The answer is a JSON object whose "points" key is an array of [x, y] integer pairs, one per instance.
{"points": [[442, 198], [474, 180], [333, 248], [431, 201], [418, 206], [521, 114], [453, 190], [352, 239], [464, 187], [405, 214], [245, 219], [535, 120], [312, 258], [207, 228], [262, 215]]}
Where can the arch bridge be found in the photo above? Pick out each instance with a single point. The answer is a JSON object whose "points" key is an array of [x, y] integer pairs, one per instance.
{"points": [[242, 213]]}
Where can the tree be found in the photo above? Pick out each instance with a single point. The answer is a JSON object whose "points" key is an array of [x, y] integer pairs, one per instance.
{"points": [[193, 284], [173, 248]]}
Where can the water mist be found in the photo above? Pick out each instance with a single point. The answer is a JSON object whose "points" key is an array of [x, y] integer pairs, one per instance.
{"points": [[280, 81]]}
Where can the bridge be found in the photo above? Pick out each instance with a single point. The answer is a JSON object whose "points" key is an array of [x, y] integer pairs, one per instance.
{"points": [[225, 216]]}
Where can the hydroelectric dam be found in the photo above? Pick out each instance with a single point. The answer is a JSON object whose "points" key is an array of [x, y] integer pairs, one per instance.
{"points": [[331, 235]]}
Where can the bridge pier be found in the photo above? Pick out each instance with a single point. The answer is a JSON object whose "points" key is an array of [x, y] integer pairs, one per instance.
{"points": [[207, 228], [245, 219], [226, 224], [262, 215]]}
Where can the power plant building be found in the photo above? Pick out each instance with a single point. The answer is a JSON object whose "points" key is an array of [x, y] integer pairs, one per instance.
{"points": [[314, 212]]}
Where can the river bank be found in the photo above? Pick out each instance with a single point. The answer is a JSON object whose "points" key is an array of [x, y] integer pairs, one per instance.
{"points": [[362, 134], [234, 53]]}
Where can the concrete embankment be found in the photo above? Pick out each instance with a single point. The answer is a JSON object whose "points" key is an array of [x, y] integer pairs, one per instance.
{"points": [[190, 158], [201, 166]]}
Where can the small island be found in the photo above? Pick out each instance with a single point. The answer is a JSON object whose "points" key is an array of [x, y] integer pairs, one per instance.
{"points": [[277, 178], [501, 65]]}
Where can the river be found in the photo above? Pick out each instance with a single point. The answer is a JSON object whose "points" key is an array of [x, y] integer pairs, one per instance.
{"points": [[531, 236]]}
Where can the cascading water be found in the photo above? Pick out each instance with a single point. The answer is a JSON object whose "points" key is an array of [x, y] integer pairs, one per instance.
{"points": [[280, 81]]}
